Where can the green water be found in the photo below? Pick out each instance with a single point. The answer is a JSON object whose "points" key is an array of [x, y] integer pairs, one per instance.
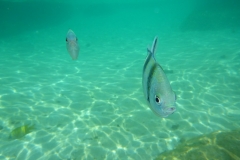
{"points": [[94, 108]]}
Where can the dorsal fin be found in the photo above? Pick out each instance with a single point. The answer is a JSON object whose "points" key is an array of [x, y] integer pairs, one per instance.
{"points": [[153, 49]]}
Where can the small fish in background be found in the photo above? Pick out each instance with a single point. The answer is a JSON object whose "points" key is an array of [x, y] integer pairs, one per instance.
{"points": [[20, 132], [156, 87], [72, 44]]}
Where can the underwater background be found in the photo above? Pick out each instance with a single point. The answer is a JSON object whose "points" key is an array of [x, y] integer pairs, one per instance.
{"points": [[52, 107]]}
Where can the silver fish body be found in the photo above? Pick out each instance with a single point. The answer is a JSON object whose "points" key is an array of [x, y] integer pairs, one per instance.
{"points": [[156, 87], [72, 44]]}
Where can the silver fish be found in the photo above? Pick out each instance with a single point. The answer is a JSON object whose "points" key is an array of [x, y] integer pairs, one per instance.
{"points": [[156, 87], [72, 44]]}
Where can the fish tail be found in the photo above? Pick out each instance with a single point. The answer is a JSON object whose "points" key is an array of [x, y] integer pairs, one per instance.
{"points": [[31, 128], [153, 49]]}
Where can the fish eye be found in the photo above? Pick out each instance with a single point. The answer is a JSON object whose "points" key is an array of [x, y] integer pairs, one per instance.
{"points": [[157, 99], [66, 39]]}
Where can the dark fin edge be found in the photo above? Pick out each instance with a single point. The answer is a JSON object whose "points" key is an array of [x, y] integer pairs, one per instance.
{"points": [[153, 49]]}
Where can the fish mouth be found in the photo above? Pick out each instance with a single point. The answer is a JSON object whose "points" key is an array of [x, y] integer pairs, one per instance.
{"points": [[168, 111]]}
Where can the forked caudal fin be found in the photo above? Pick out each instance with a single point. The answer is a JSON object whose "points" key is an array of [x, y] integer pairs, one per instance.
{"points": [[152, 51]]}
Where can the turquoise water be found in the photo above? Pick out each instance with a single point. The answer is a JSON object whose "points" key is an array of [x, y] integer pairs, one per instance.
{"points": [[94, 108]]}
